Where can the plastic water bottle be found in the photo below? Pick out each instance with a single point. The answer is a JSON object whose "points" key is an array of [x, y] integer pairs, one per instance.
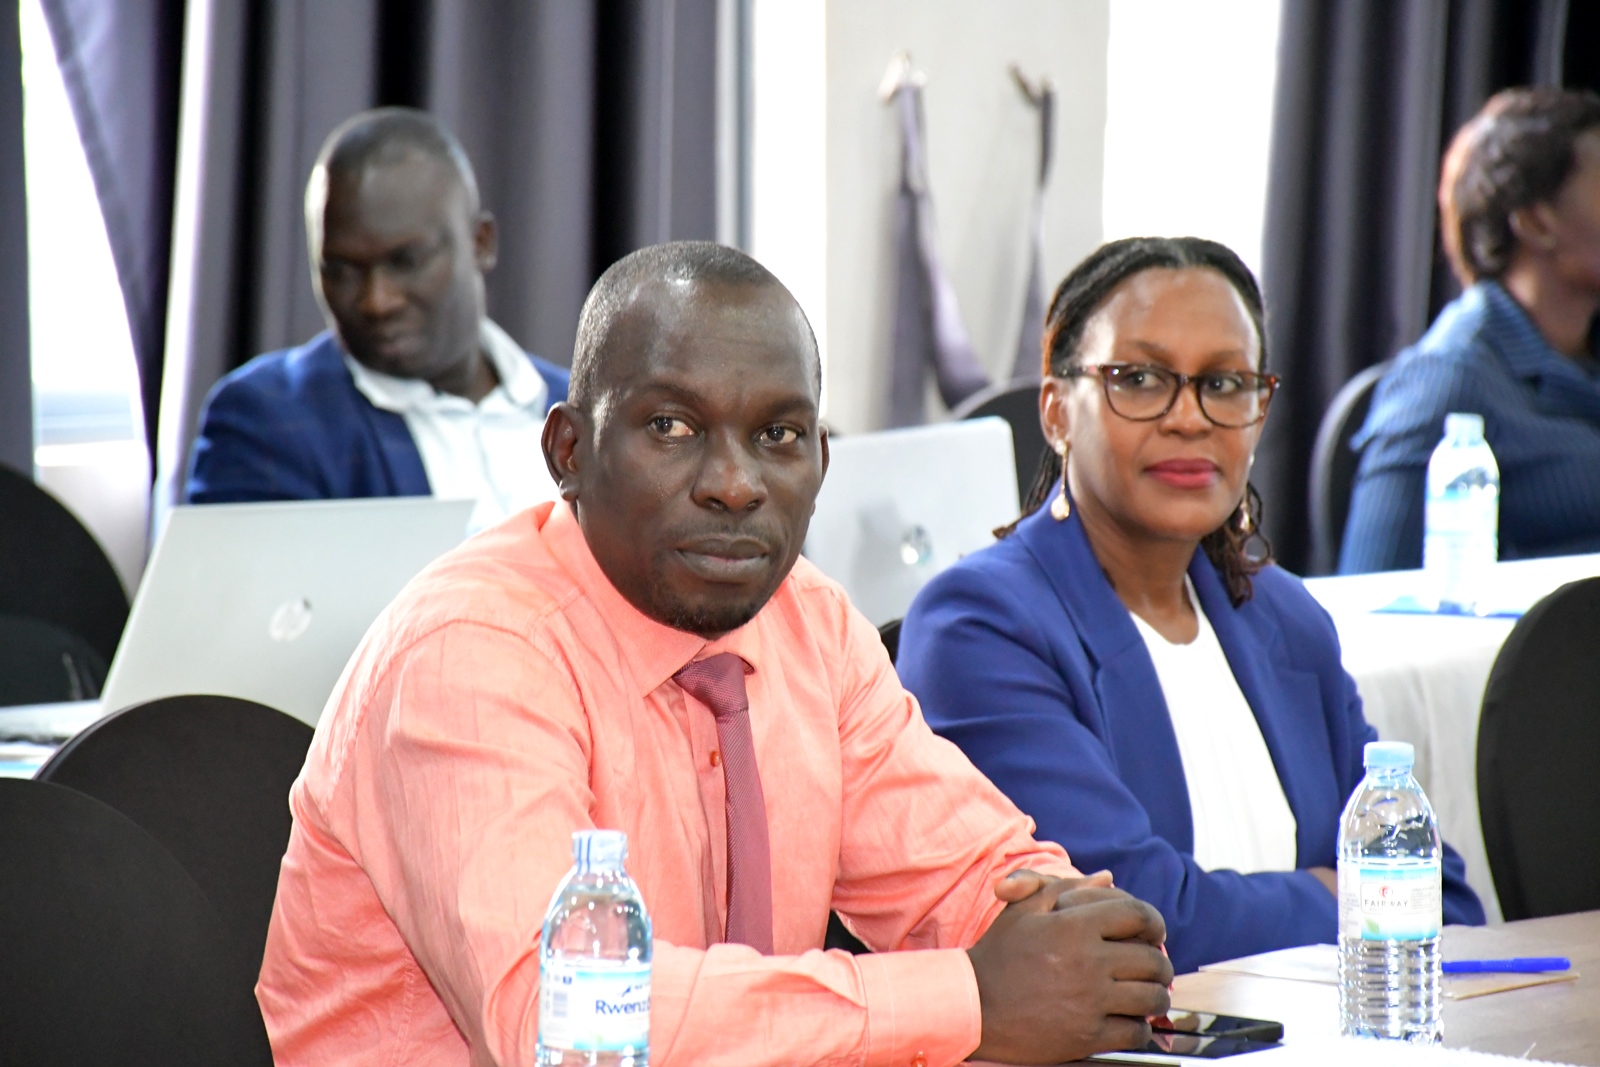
{"points": [[594, 965], [1390, 904], [1462, 519]]}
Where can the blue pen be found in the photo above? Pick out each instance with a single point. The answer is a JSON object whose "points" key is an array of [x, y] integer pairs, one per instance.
{"points": [[1523, 965]]}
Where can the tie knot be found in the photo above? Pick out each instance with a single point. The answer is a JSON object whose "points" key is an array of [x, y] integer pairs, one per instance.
{"points": [[717, 682]]}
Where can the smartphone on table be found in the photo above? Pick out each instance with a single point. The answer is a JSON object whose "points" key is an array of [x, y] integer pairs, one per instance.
{"points": [[1181, 1035]]}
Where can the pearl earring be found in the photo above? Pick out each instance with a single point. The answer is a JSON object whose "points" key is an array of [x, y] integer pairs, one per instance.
{"points": [[1061, 507]]}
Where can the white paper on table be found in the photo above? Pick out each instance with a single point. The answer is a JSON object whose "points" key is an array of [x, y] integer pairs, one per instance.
{"points": [[1334, 1052], [1320, 964], [1342, 1051], [1307, 963]]}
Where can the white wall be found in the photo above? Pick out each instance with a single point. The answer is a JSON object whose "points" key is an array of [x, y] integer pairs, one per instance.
{"points": [[824, 177], [788, 150], [1188, 119]]}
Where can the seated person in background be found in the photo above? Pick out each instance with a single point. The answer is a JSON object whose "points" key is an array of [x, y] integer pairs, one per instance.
{"points": [[411, 390], [1519, 206], [650, 654], [1162, 702]]}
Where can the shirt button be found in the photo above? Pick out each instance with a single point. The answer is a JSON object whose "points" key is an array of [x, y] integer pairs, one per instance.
{"points": [[716, 761], [919, 1060]]}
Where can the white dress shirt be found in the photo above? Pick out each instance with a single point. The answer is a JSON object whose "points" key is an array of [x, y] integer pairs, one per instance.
{"points": [[1242, 821], [488, 452]]}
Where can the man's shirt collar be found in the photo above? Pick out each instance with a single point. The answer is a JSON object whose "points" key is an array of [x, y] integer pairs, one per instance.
{"points": [[653, 651], [521, 385]]}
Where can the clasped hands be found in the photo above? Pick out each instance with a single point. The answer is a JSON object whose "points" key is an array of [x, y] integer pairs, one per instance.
{"points": [[1071, 967]]}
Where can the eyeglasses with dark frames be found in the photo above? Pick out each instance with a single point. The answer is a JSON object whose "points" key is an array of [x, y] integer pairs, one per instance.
{"points": [[1144, 392]]}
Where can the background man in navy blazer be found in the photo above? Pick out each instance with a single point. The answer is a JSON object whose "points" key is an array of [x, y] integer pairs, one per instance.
{"points": [[412, 389]]}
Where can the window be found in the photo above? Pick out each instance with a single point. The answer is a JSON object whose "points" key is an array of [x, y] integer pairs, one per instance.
{"points": [[1189, 120], [88, 428]]}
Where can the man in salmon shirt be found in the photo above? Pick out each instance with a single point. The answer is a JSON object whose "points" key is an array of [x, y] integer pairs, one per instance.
{"points": [[651, 654]]}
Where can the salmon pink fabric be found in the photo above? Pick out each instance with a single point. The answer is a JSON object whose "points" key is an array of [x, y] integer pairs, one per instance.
{"points": [[509, 696]]}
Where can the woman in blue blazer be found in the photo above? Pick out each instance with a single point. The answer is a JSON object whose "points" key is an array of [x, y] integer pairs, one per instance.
{"points": [[1038, 656]]}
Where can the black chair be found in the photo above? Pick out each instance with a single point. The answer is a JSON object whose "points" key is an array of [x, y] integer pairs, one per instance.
{"points": [[41, 663], [208, 777], [890, 633], [1018, 403], [111, 953], [53, 569], [1333, 466], [1539, 758], [838, 936]]}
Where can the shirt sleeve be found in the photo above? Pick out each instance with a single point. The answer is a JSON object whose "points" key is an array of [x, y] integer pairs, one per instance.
{"points": [[1383, 530], [926, 835], [458, 799]]}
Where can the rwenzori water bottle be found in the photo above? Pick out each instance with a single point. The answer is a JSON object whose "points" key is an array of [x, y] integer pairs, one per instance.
{"points": [[1390, 903], [594, 963], [1461, 524]]}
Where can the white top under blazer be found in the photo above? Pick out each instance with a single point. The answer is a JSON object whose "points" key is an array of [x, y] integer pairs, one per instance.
{"points": [[1242, 820]]}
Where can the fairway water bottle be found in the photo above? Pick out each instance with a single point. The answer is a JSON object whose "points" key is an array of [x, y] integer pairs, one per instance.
{"points": [[1390, 904], [1461, 520], [594, 961]]}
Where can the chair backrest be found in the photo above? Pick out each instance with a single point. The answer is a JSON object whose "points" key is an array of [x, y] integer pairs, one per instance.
{"points": [[42, 663], [208, 777], [1018, 403], [1333, 466], [890, 633], [1539, 758], [51, 568], [111, 953]]}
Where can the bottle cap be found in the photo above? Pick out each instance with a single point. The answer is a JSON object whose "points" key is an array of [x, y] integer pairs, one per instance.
{"points": [[599, 850], [1389, 755], [1464, 424]]}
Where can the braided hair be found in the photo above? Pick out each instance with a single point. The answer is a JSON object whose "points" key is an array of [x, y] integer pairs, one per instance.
{"points": [[1237, 548]]}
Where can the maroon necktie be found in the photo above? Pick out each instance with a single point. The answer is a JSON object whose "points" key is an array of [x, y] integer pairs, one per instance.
{"points": [[718, 683]]}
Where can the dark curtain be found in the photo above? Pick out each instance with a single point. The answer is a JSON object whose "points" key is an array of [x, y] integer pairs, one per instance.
{"points": [[16, 369], [591, 124], [120, 63], [1369, 94]]}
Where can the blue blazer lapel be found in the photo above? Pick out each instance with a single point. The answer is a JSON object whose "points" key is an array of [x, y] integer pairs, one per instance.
{"points": [[402, 470], [400, 456], [365, 451], [1298, 743], [1139, 736]]}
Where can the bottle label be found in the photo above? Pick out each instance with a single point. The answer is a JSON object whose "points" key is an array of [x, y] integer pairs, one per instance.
{"points": [[1390, 901], [1470, 513], [594, 1005]]}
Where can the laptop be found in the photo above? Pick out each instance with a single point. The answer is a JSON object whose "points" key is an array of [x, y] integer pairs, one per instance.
{"points": [[898, 507], [268, 601]]}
